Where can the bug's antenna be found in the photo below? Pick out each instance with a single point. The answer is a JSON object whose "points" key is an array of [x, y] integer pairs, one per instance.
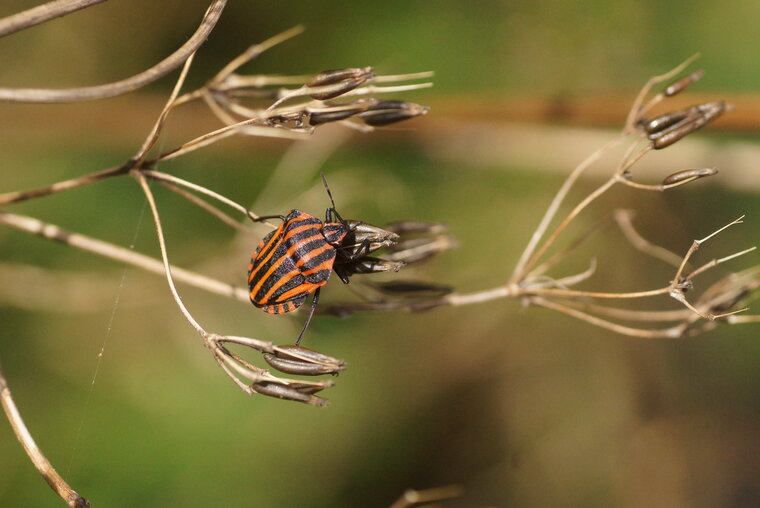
{"points": [[327, 188]]}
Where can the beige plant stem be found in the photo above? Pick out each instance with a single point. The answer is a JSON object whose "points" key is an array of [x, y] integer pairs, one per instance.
{"points": [[42, 13], [43, 465], [52, 95], [120, 254], [668, 333]]}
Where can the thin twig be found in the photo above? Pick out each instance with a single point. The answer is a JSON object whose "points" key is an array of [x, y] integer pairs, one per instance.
{"points": [[157, 175], [164, 256], [43, 465], [624, 219], [121, 254], [158, 126], [88, 93], [669, 333], [42, 13]]}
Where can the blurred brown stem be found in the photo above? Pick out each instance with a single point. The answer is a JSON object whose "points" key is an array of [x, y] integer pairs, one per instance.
{"points": [[43, 465], [88, 93], [42, 13]]}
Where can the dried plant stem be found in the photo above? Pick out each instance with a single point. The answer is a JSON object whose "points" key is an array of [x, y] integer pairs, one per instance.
{"points": [[670, 333], [73, 183], [164, 256], [638, 107], [155, 132], [629, 314], [164, 177], [120, 254], [624, 219], [213, 210], [551, 211], [43, 465], [51, 95], [42, 13], [615, 178]]}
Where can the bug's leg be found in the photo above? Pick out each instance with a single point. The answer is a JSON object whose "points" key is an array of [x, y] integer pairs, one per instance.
{"points": [[314, 301], [342, 273], [362, 251]]}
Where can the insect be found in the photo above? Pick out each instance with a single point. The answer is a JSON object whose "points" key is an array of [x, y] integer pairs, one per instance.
{"points": [[297, 258]]}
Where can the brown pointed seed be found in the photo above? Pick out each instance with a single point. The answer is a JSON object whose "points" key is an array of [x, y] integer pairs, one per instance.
{"points": [[664, 121], [419, 249], [389, 112], [318, 116], [413, 288], [682, 84], [336, 82], [415, 226], [698, 117], [288, 392], [303, 361], [687, 175]]}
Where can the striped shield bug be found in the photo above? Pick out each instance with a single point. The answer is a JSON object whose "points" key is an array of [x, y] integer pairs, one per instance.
{"points": [[297, 258]]}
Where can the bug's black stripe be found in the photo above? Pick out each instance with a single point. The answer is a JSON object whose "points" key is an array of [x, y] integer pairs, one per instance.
{"points": [[320, 276], [314, 262], [292, 221], [279, 243], [286, 265]]}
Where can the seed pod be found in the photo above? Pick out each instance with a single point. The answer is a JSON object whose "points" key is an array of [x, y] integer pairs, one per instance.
{"points": [[338, 81], [318, 116], [664, 121], [698, 117], [389, 112], [372, 265], [418, 249], [687, 175], [682, 84], [332, 115], [303, 361], [288, 392], [415, 226], [413, 288], [361, 232]]}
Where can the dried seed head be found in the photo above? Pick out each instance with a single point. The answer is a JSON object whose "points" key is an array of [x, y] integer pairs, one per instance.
{"points": [[318, 116], [336, 82], [303, 361], [696, 118], [372, 265], [375, 237], [415, 226], [389, 112], [419, 249], [293, 391], [664, 121], [687, 175], [413, 288], [682, 84]]}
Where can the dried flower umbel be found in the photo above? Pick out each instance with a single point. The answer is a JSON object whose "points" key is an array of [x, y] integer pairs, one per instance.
{"points": [[531, 281]]}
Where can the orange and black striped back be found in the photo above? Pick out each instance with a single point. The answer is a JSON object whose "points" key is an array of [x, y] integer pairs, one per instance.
{"points": [[292, 261]]}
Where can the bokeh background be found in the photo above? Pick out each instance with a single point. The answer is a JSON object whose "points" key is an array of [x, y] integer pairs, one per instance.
{"points": [[522, 407]]}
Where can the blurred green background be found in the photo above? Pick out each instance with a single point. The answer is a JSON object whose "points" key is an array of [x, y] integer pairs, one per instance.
{"points": [[522, 407]]}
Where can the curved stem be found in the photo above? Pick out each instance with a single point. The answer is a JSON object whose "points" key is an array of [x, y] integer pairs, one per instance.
{"points": [[88, 93], [42, 13], [43, 465]]}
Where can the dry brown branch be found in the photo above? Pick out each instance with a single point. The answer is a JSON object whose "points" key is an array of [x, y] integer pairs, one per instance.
{"points": [[119, 254], [161, 69], [42, 13], [43, 465]]}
